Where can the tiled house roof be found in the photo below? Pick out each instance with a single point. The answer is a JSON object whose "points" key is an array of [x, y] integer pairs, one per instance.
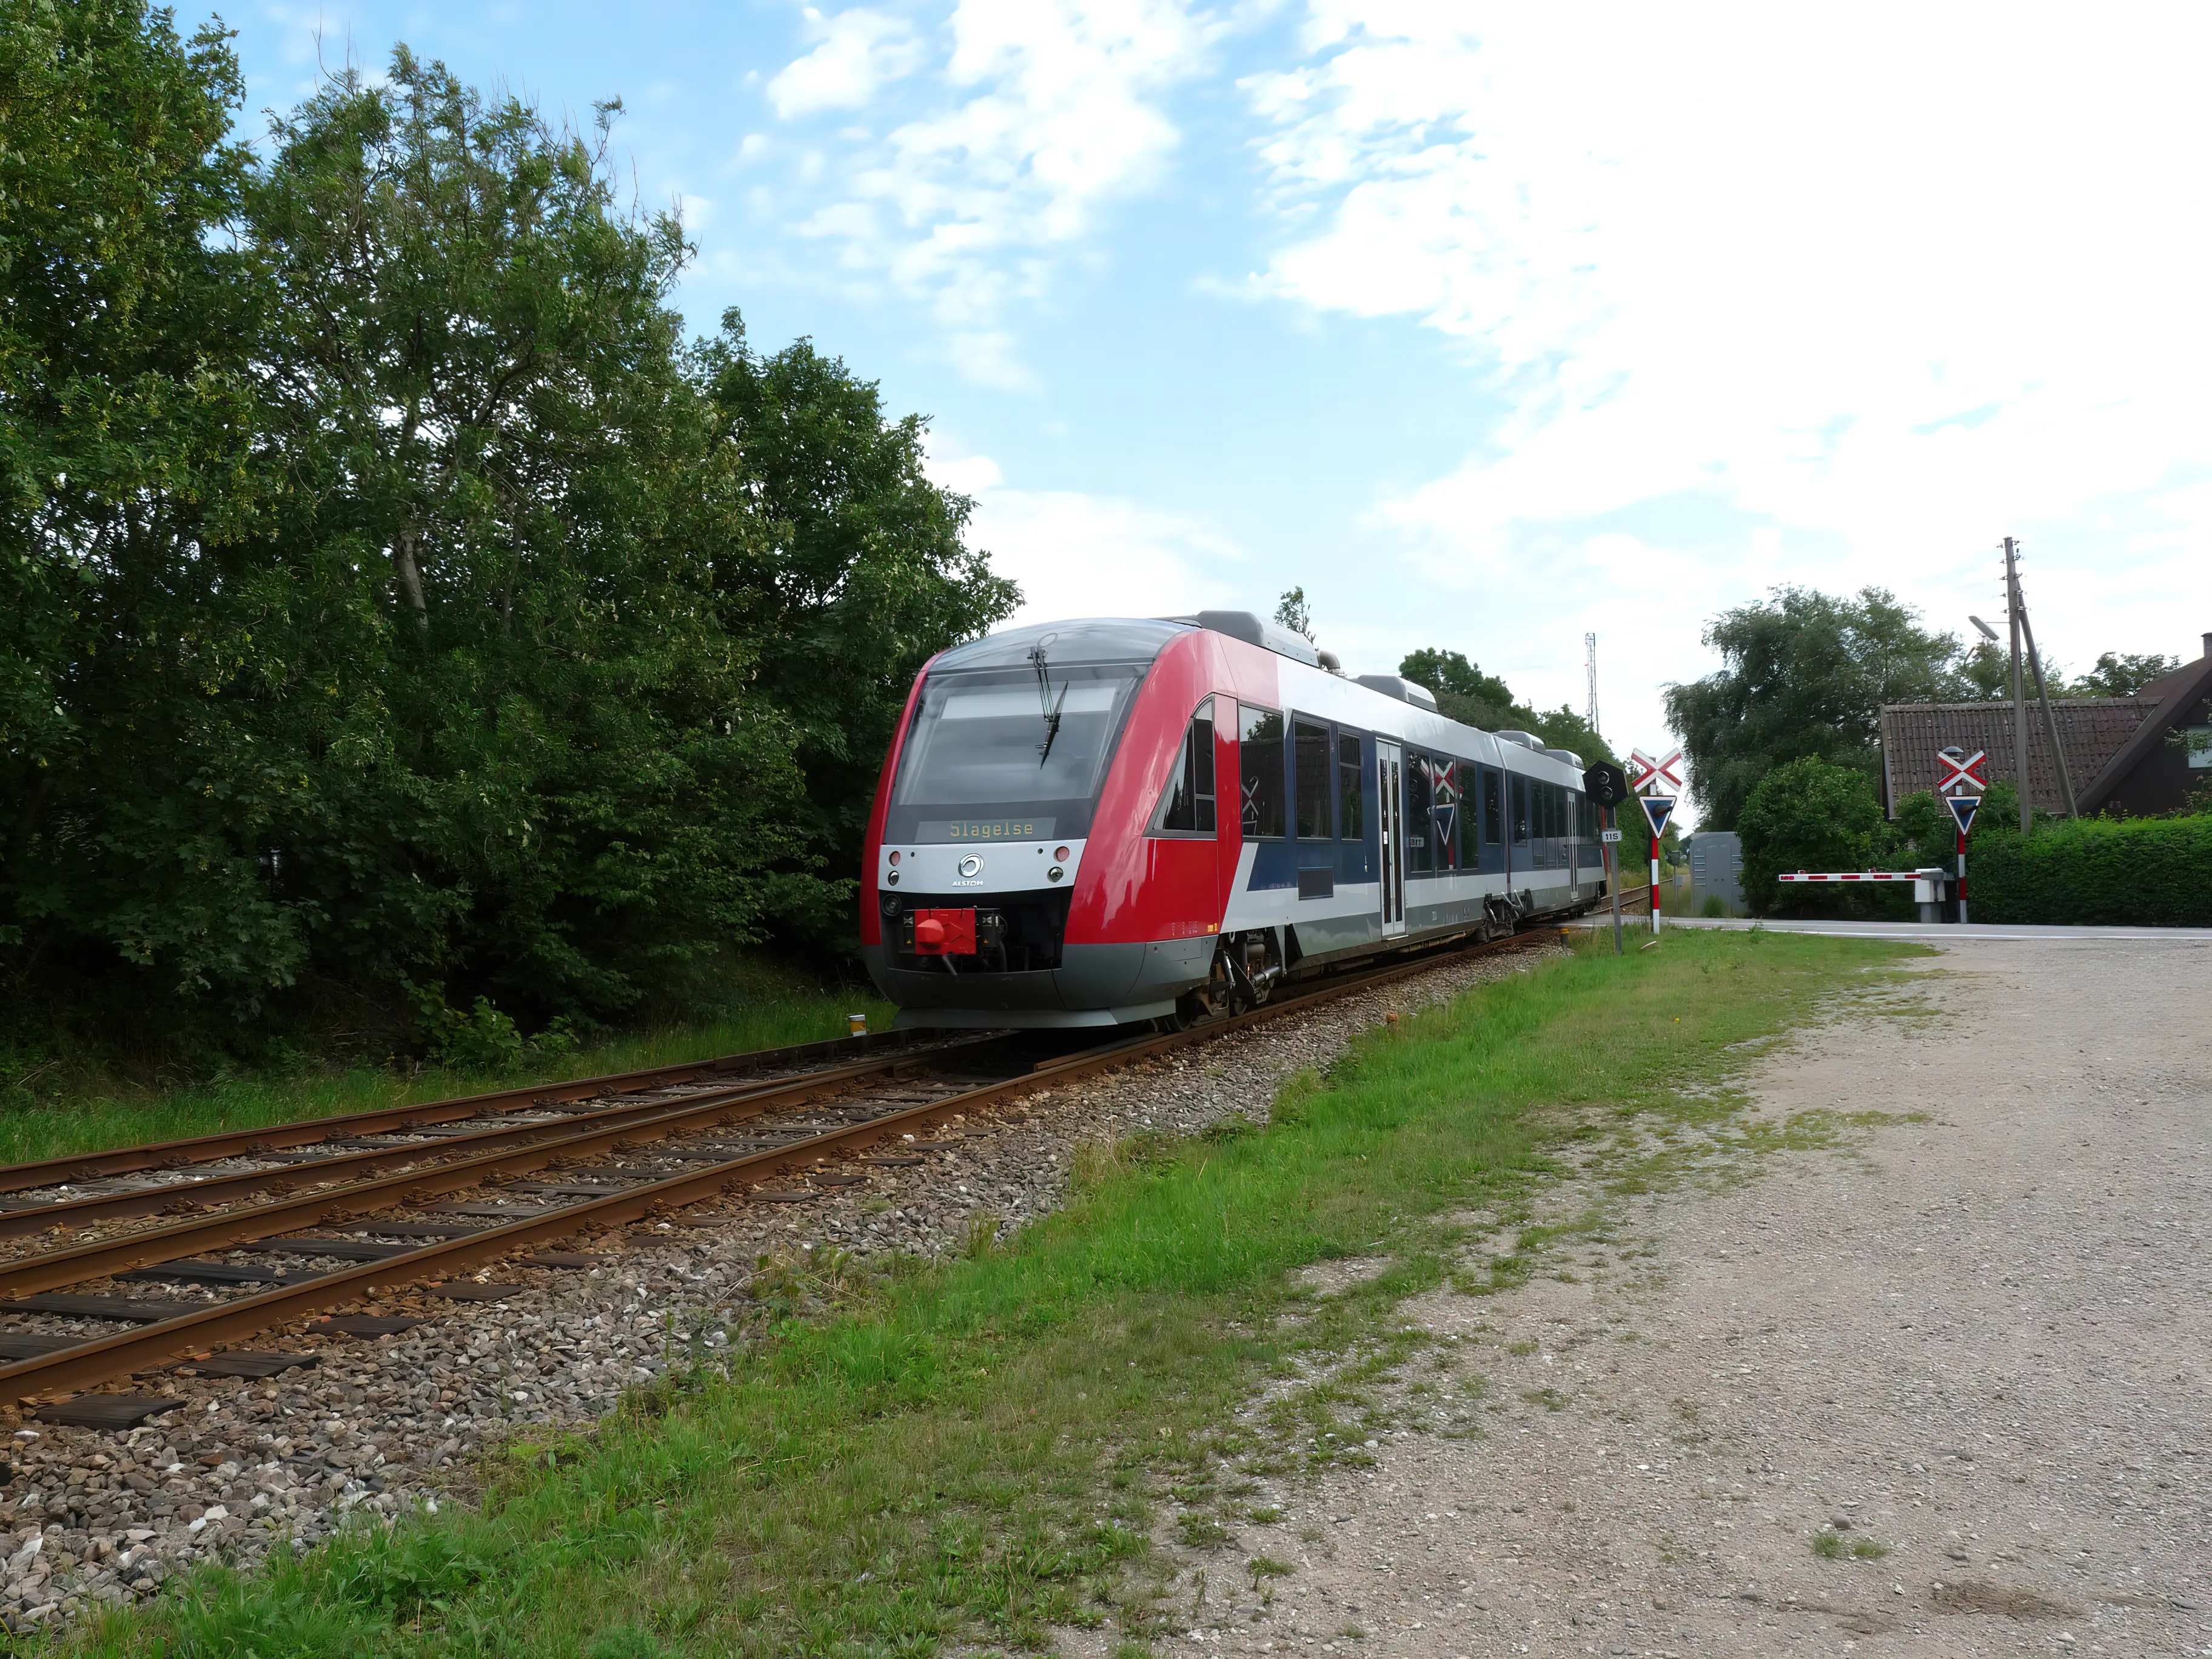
{"points": [[2117, 748], [2092, 730]]}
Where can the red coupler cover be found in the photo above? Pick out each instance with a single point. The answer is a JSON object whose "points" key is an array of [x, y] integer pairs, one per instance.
{"points": [[945, 933]]}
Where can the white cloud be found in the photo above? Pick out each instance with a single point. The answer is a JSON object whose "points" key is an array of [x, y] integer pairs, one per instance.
{"points": [[1080, 555], [1045, 111], [860, 50], [1887, 284]]}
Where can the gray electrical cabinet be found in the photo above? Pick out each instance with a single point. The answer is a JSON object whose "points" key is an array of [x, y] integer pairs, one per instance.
{"points": [[1716, 868]]}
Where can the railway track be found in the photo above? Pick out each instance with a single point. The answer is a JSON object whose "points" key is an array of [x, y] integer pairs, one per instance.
{"points": [[424, 1194]]}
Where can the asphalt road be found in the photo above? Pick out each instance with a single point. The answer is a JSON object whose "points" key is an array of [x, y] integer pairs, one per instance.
{"points": [[1938, 933]]}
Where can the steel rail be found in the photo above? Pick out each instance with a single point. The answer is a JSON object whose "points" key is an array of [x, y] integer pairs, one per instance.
{"points": [[155, 1201], [517, 1154], [104, 1358], [232, 1143]]}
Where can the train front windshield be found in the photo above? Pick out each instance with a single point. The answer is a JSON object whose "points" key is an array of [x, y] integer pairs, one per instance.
{"points": [[1005, 754]]}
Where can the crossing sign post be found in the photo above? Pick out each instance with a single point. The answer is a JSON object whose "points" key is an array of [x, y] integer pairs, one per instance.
{"points": [[1963, 808], [1964, 777], [1657, 780]]}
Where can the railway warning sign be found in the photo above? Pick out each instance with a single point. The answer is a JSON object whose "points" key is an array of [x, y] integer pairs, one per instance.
{"points": [[1657, 809], [1962, 771], [1650, 775], [1963, 808]]}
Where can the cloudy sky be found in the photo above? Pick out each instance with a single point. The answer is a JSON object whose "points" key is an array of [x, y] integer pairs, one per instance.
{"points": [[1489, 325]]}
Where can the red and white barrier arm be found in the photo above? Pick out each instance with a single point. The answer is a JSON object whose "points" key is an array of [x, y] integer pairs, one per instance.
{"points": [[1865, 875]]}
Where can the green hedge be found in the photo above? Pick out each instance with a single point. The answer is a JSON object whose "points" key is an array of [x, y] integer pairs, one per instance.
{"points": [[2143, 873]]}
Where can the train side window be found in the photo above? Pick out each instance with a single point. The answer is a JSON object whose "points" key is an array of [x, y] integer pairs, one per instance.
{"points": [[1420, 838], [1259, 785], [1350, 819], [1445, 779], [1493, 807], [1519, 785], [1186, 806], [1310, 801]]}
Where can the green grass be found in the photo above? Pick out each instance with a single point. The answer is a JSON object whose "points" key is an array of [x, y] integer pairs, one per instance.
{"points": [[102, 1113], [977, 1452]]}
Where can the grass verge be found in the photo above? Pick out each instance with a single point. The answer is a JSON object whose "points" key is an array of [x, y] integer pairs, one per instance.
{"points": [[978, 1450], [98, 1117]]}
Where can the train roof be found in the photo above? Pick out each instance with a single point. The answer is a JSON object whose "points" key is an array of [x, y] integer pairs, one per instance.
{"points": [[1088, 639], [1139, 639]]}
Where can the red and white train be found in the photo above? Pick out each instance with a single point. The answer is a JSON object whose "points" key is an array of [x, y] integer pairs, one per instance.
{"points": [[1101, 822]]}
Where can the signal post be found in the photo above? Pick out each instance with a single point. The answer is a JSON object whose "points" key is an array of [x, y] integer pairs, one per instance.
{"points": [[1659, 785], [1608, 785]]}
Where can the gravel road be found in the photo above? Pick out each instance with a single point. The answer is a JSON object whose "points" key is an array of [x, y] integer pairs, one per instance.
{"points": [[1942, 1387]]}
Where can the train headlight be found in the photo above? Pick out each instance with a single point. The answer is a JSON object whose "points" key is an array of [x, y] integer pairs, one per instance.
{"points": [[1059, 856], [1054, 873], [895, 859], [892, 879]]}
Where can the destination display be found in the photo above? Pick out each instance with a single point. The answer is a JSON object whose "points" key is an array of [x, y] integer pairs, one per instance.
{"points": [[1018, 828]]}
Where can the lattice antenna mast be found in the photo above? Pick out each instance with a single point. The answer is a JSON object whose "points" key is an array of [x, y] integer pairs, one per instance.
{"points": [[1589, 671]]}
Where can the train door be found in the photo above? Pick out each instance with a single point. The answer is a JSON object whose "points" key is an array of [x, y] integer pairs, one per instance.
{"points": [[1390, 815]]}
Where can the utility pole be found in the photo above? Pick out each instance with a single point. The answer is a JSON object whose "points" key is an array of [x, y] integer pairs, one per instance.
{"points": [[2018, 690], [2042, 696], [1589, 669]]}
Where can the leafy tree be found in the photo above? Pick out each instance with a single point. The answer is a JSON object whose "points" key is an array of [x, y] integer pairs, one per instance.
{"points": [[1565, 728], [2121, 674], [394, 615], [849, 572], [126, 330], [1293, 614], [1808, 814], [1804, 675], [1464, 693], [560, 783], [1987, 672]]}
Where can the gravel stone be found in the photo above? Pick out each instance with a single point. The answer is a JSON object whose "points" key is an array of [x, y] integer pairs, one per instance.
{"points": [[1968, 1334], [380, 1426]]}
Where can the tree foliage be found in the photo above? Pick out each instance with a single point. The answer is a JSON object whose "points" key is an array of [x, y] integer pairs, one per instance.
{"points": [[853, 573], [1808, 814], [1804, 675], [1464, 693], [2121, 674], [392, 609]]}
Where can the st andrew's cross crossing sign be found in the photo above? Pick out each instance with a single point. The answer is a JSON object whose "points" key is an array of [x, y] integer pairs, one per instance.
{"points": [[1651, 774], [1963, 808], [1962, 771]]}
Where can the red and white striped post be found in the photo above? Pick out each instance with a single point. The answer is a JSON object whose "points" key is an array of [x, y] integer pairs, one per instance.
{"points": [[1963, 779], [1652, 777]]}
